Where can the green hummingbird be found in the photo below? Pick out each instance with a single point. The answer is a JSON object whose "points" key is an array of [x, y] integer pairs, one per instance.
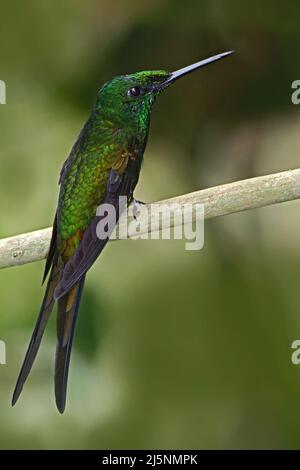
{"points": [[103, 165]]}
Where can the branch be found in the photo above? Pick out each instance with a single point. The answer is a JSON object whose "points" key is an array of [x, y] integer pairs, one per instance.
{"points": [[219, 200]]}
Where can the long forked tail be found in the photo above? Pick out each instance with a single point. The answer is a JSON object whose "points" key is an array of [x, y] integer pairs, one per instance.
{"points": [[43, 317], [67, 312]]}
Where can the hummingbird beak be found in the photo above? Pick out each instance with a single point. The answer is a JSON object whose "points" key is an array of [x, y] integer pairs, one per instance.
{"points": [[190, 68]]}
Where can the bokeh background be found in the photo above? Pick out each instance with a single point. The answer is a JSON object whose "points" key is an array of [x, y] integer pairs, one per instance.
{"points": [[173, 349]]}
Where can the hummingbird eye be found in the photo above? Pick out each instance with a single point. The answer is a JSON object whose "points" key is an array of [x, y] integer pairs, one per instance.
{"points": [[134, 91]]}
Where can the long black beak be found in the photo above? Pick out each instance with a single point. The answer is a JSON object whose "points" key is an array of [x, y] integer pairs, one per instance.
{"points": [[190, 68]]}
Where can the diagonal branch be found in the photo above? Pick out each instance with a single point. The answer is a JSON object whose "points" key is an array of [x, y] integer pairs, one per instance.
{"points": [[219, 200]]}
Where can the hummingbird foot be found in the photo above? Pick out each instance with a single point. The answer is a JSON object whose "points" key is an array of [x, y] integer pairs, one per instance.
{"points": [[135, 207]]}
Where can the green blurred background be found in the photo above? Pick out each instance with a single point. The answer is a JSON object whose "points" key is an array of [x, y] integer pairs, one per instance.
{"points": [[174, 349]]}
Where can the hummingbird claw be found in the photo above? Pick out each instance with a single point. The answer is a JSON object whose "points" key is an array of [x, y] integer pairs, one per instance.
{"points": [[135, 207]]}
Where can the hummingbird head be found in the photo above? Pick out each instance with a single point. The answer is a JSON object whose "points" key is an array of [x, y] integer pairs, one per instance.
{"points": [[127, 100]]}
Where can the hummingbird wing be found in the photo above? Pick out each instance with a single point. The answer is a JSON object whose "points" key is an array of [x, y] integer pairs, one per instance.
{"points": [[91, 246], [70, 287]]}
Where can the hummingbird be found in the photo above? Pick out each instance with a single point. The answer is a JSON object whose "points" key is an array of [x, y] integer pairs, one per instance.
{"points": [[103, 165]]}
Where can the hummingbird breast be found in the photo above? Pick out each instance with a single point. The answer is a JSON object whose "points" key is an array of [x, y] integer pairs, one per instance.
{"points": [[85, 177]]}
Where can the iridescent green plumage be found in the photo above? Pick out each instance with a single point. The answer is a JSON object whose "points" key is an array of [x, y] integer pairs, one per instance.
{"points": [[104, 164], [108, 136]]}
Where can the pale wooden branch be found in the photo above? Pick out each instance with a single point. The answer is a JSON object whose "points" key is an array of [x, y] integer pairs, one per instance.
{"points": [[220, 200]]}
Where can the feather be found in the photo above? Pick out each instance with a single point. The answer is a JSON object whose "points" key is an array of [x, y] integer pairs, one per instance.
{"points": [[91, 246], [67, 312], [43, 317], [52, 250]]}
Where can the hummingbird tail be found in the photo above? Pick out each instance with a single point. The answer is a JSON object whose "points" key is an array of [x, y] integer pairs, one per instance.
{"points": [[67, 312], [43, 317]]}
